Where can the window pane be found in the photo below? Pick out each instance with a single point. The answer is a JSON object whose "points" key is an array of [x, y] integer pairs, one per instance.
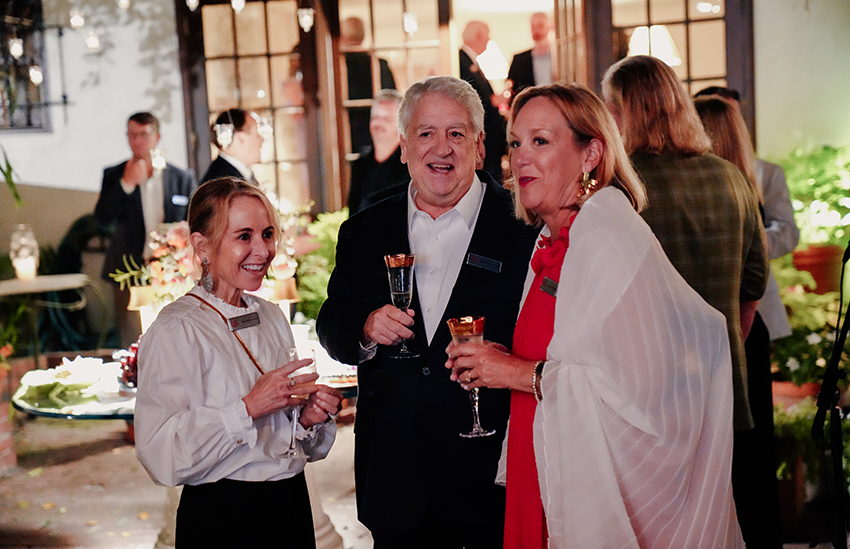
{"points": [[666, 11], [289, 135], [293, 183], [221, 80], [423, 62], [265, 176], [702, 9], [251, 30], [254, 82], [708, 49], [218, 30], [629, 13], [287, 90], [425, 12], [677, 33], [389, 24], [283, 23]]}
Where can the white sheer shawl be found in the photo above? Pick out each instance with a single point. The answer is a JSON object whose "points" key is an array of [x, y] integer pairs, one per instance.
{"points": [[633, 439]]}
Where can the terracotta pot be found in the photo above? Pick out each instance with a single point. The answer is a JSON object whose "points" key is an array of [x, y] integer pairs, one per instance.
{"points": [[787, 394], [824, 262]]}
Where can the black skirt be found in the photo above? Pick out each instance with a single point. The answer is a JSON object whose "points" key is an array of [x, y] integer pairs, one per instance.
{"points": [[234, 514]]}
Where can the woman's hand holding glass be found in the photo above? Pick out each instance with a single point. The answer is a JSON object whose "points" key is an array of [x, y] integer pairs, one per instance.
{"points": [[275, 389], [321, 405], [488, 364]]}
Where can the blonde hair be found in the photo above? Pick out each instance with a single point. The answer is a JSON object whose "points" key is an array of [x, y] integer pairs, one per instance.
{"points": [[210, 208], [730, 139], [589, 119], [656, 114]]}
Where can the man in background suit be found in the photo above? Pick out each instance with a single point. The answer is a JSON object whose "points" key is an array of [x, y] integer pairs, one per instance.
{"points": [[242, 152], [476, 35], [135, 197], [419, 484], [533, 67]]}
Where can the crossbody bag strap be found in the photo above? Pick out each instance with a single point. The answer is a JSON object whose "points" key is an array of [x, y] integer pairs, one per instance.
{"points": [[224, 318]]}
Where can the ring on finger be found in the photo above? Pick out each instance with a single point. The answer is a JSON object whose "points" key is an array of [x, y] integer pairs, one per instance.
{"points": [[469, 378], [292, 382]]}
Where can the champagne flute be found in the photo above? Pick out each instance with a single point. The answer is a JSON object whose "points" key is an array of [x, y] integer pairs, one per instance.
{"points": [[470, 329], [400, 274], [291, 354]]}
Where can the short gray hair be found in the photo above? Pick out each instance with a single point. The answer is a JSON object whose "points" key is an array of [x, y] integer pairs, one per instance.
{"points": [[456, 89], [387, 96]]}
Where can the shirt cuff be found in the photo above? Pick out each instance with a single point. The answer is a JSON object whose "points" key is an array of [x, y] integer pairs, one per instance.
{"points": [[302, 433], [239, 424], [128, 188], [367, 353]]}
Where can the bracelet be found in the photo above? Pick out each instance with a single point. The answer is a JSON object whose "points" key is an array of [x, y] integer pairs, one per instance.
{"points": [[536, 376]]}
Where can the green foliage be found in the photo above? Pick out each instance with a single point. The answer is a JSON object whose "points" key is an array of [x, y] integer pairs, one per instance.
{"points": [[8, 174], [135, 275], [803, 356], [819, 183], [314, 268]]}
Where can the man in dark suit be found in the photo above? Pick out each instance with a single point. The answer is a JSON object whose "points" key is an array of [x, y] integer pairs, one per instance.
{"points": [[419, 484], [243, 149], [533, 67], [358, 70], [476, 35], [135, 197]]}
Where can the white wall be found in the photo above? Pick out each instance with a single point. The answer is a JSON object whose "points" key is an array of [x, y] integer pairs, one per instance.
{"points": [[137, 69], [802, 64]]}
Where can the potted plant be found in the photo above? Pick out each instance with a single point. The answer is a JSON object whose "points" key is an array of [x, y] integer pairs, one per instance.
{"points": [[819, 184]]}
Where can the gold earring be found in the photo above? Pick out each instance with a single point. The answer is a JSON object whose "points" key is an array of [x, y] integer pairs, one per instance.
{"points": [[587, 184]]}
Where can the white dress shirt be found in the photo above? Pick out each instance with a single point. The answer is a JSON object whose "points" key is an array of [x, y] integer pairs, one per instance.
{"points": [[542, 67], [439, 245], [153, 209], [243, 168], [192, 426]]}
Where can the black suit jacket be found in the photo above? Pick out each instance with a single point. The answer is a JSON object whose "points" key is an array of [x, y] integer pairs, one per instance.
{"points": [[124, 211], [522, 71], [359, 72], [221, 168], [408, 452], [495, 136]]}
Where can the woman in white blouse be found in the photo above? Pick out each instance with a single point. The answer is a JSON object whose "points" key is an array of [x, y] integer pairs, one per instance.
{"points": [[214, 393]]}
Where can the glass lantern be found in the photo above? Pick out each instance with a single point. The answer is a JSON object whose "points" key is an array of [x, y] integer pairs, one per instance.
{"points": [[24, 252]]}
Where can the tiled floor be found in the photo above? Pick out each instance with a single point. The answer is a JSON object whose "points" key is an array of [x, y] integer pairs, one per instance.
{"points": [[79, 485]]}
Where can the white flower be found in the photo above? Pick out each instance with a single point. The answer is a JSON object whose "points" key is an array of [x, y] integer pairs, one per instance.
{"points": [[793, 364], [830, 336], [821, 362], [813, 339]]}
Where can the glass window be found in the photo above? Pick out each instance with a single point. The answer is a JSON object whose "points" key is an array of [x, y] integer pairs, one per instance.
{"points": [[23, 95]]}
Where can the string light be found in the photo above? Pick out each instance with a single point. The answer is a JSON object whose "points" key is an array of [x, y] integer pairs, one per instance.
{"points": [[237, 5], [36, 76], [93, 41], [78, 18], [192, 4], [16, 47]]}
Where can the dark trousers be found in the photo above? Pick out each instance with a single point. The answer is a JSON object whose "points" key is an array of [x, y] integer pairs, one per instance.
{"points": [[230, 514], [754, 483], [431, 533]]}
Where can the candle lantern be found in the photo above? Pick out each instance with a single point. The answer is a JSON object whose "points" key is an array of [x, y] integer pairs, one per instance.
{"points": [[24, 252]]}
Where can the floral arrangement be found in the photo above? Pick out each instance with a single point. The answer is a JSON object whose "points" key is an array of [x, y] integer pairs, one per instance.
{"points": [[803, 356], [169, 269]]}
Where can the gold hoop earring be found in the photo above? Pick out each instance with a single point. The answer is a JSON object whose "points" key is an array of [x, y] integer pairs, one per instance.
{"points": [[588, 185]]}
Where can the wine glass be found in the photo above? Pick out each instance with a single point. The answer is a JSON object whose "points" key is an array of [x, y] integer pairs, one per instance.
{"points": [[290, 354], [470, 329], [400, 274]]}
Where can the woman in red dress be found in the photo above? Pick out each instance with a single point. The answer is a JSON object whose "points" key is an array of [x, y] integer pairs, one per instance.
{"points": [[631, 446]]}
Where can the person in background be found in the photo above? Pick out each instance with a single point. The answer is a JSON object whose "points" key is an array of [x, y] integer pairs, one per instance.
{"points": [[214, 388], [135, 198], [358, 66], [412, 469], [754, 473], [621, 410], [534, 67], [243, 151], [476, 35], [381, 167]]}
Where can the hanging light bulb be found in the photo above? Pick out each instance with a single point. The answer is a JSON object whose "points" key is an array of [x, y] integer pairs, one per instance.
{"points": [[237, 5], [264, 128], [224, 135], [411, 24], [93, 41], [123, 4], [78, 18], [16, 47], [36, 76], [192, 4], [306, 18]]}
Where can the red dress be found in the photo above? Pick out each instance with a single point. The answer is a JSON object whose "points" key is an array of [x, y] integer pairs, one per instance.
{"points": [[525, 523]]}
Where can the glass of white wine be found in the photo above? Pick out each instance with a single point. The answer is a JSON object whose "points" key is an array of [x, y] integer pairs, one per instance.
{"points": [[470, 329], [290, 354], [400, 274]]}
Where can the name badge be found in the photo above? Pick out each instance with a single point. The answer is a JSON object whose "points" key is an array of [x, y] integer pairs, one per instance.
{"points": [[244, 321], [484, 263], [179, 200], [549, 286]]}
